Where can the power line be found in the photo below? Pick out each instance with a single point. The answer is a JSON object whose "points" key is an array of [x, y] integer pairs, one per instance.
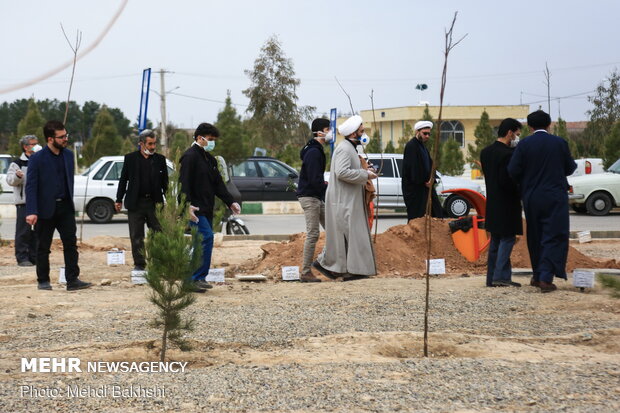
{"points": [[205, 99]]}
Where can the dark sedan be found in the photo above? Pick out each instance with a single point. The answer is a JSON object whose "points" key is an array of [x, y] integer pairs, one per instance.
{"points": [[260, 178]]}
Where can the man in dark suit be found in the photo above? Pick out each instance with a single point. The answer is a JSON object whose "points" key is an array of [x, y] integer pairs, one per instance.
{"points": [[143, 184], [49, 204], [416, 179], [540, 165], [503, 219], [200, 182]]}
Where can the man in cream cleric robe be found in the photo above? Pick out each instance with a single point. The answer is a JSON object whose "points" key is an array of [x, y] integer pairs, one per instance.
{"points": [[348, 248]]}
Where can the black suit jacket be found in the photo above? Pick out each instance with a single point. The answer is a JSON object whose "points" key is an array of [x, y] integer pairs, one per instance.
{"points": [[503, 201], [131, 174], [201, 181]]}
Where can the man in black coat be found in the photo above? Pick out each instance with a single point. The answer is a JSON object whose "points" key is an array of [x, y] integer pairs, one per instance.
{"points": [[503, 219], [416, 179], [540, 165], [200, 183], [311, 191], [143, 184]]}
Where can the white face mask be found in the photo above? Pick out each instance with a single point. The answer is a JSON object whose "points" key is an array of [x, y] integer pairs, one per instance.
{"points": [[329, 136], [149, 153], [364, 139], [513, 143], [36, 148]]}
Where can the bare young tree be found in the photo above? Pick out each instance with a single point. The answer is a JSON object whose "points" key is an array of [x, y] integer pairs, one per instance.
{"points": [[449, 45], [74, 48]]}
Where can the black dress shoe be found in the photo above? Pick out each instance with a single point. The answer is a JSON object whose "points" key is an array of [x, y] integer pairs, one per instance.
{"points": [[78, 285], [44, 286], [202, 284], [504, 283], [353, 277], [25, 264], [325, 271]]}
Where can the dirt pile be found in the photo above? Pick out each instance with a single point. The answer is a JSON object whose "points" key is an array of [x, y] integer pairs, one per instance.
{"points": [[401, 252]]}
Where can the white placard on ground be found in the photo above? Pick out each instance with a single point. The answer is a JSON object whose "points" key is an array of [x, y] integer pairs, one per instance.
{"points": [[138, 277], [290, 273], [584, 236], [437, 266], [216, 275], [116, 257], [61, 276], [583, 278]]}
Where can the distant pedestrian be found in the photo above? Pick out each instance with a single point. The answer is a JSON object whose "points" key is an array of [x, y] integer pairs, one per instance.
{"points": [[25, 237], [417, 179], [540, 165], [311, 191], [348, 248], [503, 209], [200, 183], [143, 184], [49, 205]]}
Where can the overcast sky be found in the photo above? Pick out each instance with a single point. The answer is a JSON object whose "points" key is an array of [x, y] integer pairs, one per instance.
{"points": [[389, 46]]}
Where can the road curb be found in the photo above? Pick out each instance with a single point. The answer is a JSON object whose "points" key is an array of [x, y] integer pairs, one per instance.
{"points": [[597, 234]]}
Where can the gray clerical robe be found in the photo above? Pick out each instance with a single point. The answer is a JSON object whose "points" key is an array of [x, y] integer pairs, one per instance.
{"points": [[348, 247]]}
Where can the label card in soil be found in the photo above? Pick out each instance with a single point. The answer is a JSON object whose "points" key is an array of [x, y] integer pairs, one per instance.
{"points": [[437, 266], [138, 277], [582, 278], [116, 257], [216, 275], [290, 273], [584, 236], [61, 276]]}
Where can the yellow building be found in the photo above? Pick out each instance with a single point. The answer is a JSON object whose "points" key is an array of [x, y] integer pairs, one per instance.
{"points": [[458, 121]]}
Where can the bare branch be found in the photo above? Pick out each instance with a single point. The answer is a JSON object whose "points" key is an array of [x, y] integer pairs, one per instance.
{"points": [[449, 45], [348, 96]]}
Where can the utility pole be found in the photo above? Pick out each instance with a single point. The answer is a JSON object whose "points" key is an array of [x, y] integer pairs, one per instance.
{"points": [[163, 138], [548, 83]]}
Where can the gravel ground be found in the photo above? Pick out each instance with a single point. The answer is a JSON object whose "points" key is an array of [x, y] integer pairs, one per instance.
{"points": [[341, 347]]}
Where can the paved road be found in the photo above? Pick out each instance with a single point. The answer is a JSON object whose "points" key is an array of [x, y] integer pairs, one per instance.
{"points": [[290, 224]]}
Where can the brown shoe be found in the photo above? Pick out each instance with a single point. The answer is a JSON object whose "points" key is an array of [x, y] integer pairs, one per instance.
{"points": [[547, 287], [309, 278], [534, 283]]}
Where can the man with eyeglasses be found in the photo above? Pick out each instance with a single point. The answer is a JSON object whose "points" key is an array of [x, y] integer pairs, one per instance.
{"points": [[25, 237], [417, 179], [49, 205]]}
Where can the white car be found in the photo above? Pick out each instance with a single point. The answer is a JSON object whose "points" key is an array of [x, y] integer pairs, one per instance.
{"points": [[390, 194], [595, 194], [95, 189], [6, 196]]}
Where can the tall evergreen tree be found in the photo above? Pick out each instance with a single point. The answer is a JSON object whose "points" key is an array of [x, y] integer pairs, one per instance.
{"points": [[233, 142], [604, 114], [275, 116], [452, 162], [374, 145], [389, 148], [31, 124], [179, 143], [105, 141], [560, 129], [402, 141], [484, 137]]}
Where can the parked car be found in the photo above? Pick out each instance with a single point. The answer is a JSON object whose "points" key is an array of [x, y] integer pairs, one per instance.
{"points": [[261, 178], [587, 166], [595, 194], [6, 190], [390, 193], [95, 189]]}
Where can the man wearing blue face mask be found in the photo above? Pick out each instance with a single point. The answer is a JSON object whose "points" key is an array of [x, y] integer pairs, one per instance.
{"points": [[311, 191], [200, 183]]}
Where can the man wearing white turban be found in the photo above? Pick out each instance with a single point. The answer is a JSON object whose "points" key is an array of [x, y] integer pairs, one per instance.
{"points": [[348, 248], [416, 179]]}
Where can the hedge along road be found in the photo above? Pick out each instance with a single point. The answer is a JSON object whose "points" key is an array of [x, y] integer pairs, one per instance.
{"points": [[294, 223]]}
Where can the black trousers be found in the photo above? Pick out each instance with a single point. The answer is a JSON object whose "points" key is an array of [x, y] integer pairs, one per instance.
{"points": [[143, 214], [25, 238], [63, 220]]}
